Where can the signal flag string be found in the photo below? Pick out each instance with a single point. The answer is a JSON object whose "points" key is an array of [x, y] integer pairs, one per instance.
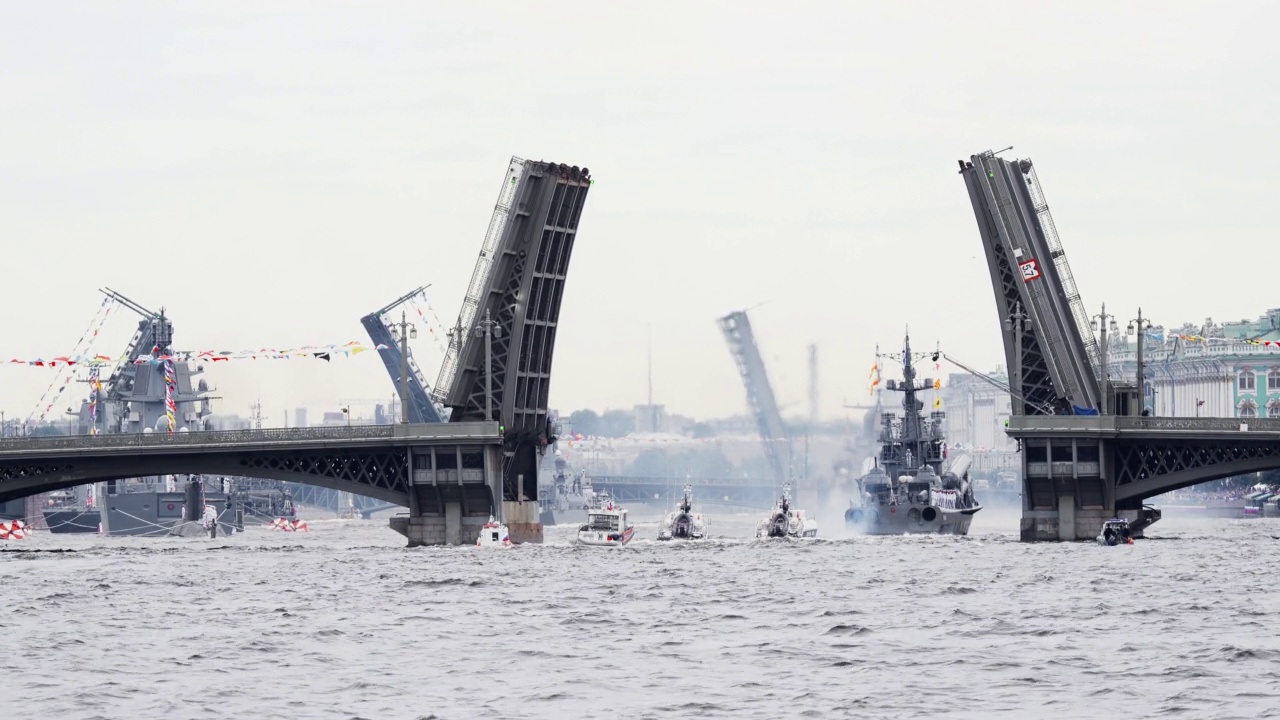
{"points": [[91, 334], [318, 352]]}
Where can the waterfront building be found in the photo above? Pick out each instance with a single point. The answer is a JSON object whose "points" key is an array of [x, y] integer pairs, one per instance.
{"points": [[1211, 370]]}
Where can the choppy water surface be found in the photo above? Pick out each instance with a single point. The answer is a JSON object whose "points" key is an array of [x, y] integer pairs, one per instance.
{"points": [[346, 622]]}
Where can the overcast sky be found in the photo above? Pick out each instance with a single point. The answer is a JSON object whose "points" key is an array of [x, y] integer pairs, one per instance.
{"points": [[269, 172]]}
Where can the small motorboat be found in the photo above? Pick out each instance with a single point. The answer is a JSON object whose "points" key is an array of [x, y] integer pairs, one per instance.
{"points": [[684, 523], [783, 521], [494, 535], [1115, 532], [606, 527]]}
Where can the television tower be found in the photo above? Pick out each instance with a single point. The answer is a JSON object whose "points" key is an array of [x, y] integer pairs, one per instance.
{"points": [[813, 385]]}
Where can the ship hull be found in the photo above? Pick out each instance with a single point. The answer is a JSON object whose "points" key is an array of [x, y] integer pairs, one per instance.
{"points": [[911, 520], [72, 521], [158, 514], [152, 514], [593, 538]]}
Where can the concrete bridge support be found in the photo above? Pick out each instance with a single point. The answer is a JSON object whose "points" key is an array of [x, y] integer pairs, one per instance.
{"points": [[453, 492], [1066, 493]]}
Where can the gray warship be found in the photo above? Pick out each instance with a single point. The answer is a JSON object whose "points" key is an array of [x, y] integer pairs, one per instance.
{"points": [[135, 399], [912, 488]]}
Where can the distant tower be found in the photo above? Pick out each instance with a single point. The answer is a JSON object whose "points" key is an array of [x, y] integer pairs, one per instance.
{"points": [[653, 421], [649, 417], [813, 385]]}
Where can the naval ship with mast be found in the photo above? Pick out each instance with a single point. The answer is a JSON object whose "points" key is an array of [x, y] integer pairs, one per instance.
{"points": [[912, 487], [150, 381]]}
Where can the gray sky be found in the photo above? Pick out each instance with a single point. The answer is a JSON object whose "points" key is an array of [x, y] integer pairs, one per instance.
{"points": [[269, 172]]}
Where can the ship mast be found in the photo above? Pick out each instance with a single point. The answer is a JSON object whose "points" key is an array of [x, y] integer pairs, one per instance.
{"points": [[911, 422], [919, 442]]}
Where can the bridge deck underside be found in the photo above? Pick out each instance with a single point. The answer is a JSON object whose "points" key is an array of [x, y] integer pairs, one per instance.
{"points": [[332, 500]]}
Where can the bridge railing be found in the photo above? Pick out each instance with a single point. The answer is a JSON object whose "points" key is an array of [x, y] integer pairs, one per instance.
{"points": [[1108, 423], [118, 440], [1194, 424], [605, 482]]}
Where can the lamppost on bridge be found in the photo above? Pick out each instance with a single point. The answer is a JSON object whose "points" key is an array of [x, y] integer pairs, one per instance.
{"points": [[1018, 321], [347, 411], [488, 329], [1103, 322], [402, 331], [1142, 325]]}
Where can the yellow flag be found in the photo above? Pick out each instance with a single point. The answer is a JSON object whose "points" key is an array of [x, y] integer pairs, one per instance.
{"points": [[937, 403]]}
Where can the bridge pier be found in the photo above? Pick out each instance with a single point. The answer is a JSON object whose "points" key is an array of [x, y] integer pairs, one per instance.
{"points": [[455, 488], [1067, 488]]}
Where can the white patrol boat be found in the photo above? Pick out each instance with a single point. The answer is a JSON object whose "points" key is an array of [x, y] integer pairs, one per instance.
{"points": [[785, 522], [494, 535], [606, 527], [684, 523]]}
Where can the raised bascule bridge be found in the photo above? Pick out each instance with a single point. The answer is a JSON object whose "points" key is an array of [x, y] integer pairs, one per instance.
{"points": [[453, 475], [1088, 452]]}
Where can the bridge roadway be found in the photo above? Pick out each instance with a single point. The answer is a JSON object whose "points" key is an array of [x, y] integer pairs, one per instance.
{"points": [[374, 461]]}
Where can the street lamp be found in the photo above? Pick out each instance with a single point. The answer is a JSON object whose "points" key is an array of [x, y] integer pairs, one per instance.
{"points": [[1101, 323], [488, 329], [402, 331], [1141, 326], [1017, 320], [347, 411]]}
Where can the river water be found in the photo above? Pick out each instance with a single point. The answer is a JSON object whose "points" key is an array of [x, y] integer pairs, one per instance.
{"points": [[345, 622]]}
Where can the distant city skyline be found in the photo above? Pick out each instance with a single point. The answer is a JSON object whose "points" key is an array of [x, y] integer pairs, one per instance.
{"points": [[270, 173]]}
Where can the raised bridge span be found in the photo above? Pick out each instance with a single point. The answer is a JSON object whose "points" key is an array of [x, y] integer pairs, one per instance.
{"points": [[1088, 452]]}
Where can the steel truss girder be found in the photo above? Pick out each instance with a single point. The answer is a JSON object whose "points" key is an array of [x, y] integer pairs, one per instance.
{"points": [[379, 470], [21, 471], [1036, 383], [1146, 468], [382, 474]]}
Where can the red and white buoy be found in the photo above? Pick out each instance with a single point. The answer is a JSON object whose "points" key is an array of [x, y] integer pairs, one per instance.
{"points": [[288, 525], [13, 530]]}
